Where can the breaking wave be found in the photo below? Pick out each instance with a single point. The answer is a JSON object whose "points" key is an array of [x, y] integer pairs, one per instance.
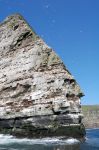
{"points": [[8, 139]]}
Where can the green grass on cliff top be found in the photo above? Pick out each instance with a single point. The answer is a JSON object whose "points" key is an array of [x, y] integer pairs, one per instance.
{"points": [[90, 107]]}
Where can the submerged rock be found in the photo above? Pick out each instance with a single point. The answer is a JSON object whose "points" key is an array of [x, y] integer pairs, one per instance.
{"points": [[38, 95]]}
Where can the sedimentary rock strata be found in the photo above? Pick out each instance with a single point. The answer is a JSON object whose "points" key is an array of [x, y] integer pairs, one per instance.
{"points": [[38, 95]]}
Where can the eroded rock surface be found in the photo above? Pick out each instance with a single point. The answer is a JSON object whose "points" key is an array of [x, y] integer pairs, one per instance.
{"points": [[38, 95]]}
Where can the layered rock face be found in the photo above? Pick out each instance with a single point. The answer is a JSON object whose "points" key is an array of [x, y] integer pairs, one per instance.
{"points": [[38, 95]]}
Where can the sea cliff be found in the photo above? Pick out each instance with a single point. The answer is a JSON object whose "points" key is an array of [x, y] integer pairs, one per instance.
{"points": [[38, 95], [91, 116]]}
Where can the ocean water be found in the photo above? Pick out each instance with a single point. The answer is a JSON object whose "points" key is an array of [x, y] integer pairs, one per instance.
{"points": [[8, 142]]}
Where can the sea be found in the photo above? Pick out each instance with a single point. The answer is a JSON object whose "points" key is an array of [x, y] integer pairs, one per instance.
{"points": [[8, 142]]}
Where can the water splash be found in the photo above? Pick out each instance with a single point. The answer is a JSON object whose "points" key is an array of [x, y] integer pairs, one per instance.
{"points": [[8, 139]]}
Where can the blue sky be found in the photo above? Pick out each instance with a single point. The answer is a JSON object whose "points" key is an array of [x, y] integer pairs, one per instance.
{"points": [[71, 28]]}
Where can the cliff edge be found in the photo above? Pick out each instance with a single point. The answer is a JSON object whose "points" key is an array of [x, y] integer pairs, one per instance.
{"points": [[38, 95]]}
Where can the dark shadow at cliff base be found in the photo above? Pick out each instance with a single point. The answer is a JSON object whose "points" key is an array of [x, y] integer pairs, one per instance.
{"points": [[75, 131]]}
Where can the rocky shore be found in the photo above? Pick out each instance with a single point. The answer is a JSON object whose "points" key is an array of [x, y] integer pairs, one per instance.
{"points": [[38, 95]]}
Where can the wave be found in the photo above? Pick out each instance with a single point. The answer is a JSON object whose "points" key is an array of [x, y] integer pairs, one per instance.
{"points": [[8, 139]]}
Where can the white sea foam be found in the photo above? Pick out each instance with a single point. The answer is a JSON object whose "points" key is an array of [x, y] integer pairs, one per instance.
{"points": [[8, 139]]}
